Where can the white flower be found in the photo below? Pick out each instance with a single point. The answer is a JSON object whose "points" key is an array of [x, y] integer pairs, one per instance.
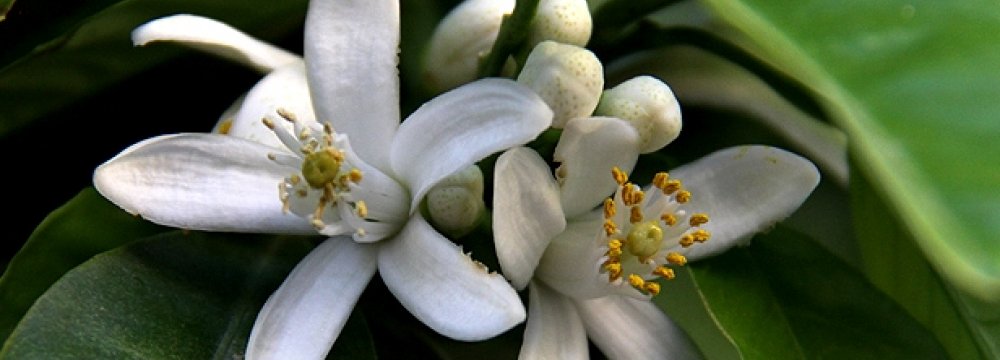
{"points": [[590, 272], [365, 179]]}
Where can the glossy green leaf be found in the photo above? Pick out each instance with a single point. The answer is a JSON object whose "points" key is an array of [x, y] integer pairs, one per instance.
{"points": [[98, 52], [913, 85], [786, 298], [888, 252], [86, 226], [175, 295]]}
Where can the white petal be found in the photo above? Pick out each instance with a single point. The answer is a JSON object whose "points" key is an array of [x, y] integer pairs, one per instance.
{"points": [[744, 190], [200, 182], [572, 262], [352, 48], [303, 318], [554, 330], [285, 89], [526, 213], [588, 149], [463, 126], [627, 328], [444, 288], [216, 38]]}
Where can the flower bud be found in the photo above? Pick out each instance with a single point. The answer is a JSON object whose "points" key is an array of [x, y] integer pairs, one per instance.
{"points": [[564, 21], [649, 105], [456, 203], [568, 78], [461, 40]]}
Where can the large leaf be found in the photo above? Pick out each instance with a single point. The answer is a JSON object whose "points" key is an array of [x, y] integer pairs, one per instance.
{"points": [[98, 52], [786, 298], [69, 236], [889, 252], [914, 85], [176, 295]]}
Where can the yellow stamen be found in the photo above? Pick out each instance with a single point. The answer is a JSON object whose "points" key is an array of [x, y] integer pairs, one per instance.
{"points": [[609, 227], [686, 240], [614, 270], [362, 209], [636, 281], [660, 180], [225, 126], [635, 214], [285, 114], [652, 288], [701, 235], [698, 219], [676, 259], [355, 176], [620, 177], [672, 186], [683, 196], [664, 272], [669, 219], [267, 122], [609, 208]]}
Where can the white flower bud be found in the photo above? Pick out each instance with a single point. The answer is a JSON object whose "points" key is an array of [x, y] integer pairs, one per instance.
{"points": [[460, 40], [649, 105], [565, 21], [569, 78], [456, 203]]}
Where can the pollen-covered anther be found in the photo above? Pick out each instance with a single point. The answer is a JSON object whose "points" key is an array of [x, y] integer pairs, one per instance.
{"points": [[676, 259], [701, 235], [614, 270], [362, 209], [636, 281], [660, 180], [671, 186], [609, 208], [669, 219], [698, 219], [635, 214], [664, 272], [620, 177], [651, 287], [610, 228], [355, 176], [683, 196]]}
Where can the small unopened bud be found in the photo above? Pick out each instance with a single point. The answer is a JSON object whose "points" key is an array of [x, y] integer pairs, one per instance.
{"points": [[564, 21], [461, 40], [567, 77], [649, 105], [456, 203]]}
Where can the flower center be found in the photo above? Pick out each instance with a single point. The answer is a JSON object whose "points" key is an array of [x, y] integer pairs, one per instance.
{"points": [[640, 248], [328, 177]]}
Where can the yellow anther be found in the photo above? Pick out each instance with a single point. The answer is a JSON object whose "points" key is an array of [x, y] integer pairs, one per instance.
{"points": [[652, 288], [672, 186], [701, 235], [225, 126], [669, 219], [698, 219], [361, 208], [635, 214], [614, 244], [354, 176], [664, 272], [636, 197], [686, 240], [285, 114], [609, 227], [676, 259], [609, 208], [627, 190], [636, 281], [620, 177], [683, 196], [660, 180], [614, 271], [267, 122]]}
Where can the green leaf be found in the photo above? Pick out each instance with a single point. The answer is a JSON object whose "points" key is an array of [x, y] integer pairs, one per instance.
{"points": [[175, 295], [911, 82], [85, 226], [95, 52], [787, 298], [887, 252]]}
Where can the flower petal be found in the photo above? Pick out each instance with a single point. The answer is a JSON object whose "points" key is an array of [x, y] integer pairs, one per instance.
{"points": [[744, 190], [352, 48], [588, 149], [444, 288], [200, 182], [463, 126], [526, 213], [572, 262], [216, 38], [303, 318], [627, 328], [554, 330], [285, 89]]}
